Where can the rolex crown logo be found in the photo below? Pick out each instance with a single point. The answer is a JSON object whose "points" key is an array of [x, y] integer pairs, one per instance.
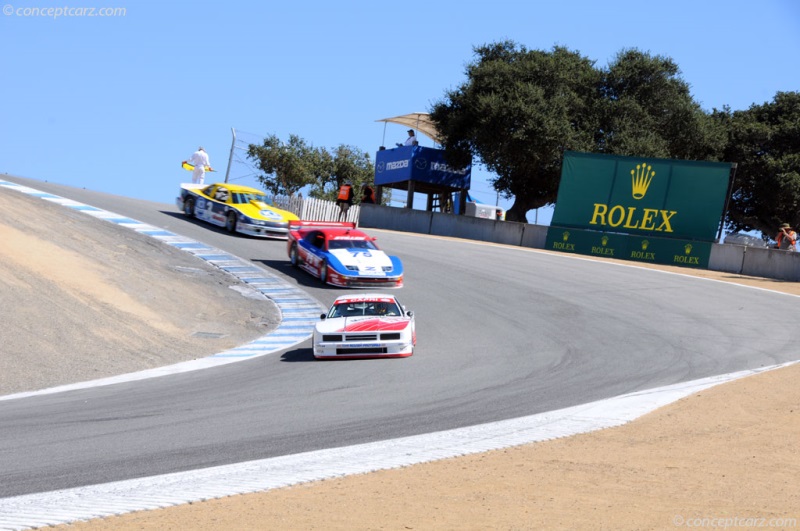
{"points": [[641, 178], [565, 235]]}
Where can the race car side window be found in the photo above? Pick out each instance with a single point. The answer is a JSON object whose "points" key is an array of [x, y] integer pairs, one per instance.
{"points": [[317, 239]]}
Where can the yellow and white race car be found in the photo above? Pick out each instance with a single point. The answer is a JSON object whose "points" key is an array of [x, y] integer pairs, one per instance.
{"points": [[237, 208]]}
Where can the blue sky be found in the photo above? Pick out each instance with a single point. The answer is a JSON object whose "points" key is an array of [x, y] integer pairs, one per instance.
{"points": [[115, 103]]}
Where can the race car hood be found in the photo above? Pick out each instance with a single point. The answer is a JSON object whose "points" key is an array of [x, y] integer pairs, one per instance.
{"points": [[362, 324], [371, 261], [260, 210]]}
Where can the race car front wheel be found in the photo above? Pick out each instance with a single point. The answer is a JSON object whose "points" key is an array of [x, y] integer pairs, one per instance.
{"points": [[230, 223], [188, 207], [293, 257]]}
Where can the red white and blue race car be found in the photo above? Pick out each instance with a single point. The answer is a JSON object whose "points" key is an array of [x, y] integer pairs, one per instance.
{"points": [[372, 325], [339, 254]]}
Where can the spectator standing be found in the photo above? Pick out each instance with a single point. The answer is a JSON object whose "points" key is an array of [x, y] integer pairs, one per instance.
{"points": [[786, 238], [199, 160], [368, 194], [344, 200]]}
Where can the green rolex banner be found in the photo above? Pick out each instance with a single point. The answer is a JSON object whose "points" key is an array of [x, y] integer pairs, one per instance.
{"points": [[636, 208]]}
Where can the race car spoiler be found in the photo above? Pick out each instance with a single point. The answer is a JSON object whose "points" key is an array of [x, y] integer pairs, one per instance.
{"points": [[322, 224]]}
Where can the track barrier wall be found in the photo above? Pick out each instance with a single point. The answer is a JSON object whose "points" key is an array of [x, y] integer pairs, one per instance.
{"points": [[729, 258]]}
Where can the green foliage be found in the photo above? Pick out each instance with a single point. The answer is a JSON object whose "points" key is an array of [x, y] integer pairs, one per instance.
{"points": [[520, 109], [647, 110], [764, 141], [348, 164], [288, 167], [516, 113]]}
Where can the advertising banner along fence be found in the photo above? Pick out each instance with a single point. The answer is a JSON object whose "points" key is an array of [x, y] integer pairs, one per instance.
{"points": [[421, 164], [636, 208]]}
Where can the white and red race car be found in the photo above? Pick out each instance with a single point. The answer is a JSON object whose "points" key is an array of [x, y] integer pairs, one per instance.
{"points": [[371, 325], [339, 254]]}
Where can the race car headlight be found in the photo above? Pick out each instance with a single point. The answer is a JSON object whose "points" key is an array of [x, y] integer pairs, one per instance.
{"points": [[387, 268], [352, 268], [331, 337]]}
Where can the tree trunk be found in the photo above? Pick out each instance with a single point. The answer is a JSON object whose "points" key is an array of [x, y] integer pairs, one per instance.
{"points": [[517, 212]]}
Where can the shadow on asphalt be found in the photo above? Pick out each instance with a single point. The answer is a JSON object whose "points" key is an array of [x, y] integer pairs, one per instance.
{"points": [[298, 355]]}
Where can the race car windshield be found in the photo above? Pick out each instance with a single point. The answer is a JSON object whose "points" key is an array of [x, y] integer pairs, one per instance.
{"points": [[245, 197], [351, 244], [368, 308]]}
